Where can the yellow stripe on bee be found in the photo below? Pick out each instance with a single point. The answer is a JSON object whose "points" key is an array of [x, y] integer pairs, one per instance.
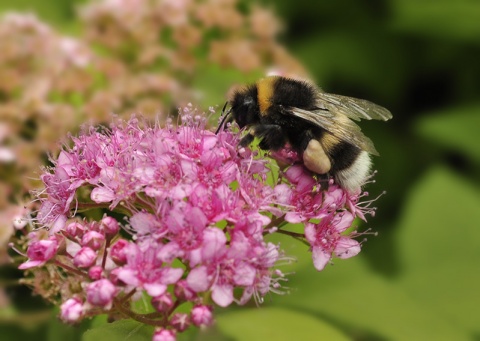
{"points": [[329, 141], [265, 92]]}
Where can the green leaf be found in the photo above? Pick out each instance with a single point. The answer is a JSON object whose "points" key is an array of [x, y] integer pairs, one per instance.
{"points": [[440, 18], [439, 243], [454, 128], [362, 303], [143, 305], [365, 305], [276, 324], [354, 58], [120, 330]]}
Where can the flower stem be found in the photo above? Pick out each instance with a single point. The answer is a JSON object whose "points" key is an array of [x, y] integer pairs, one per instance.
{"points": [[70, 269], [137, 317], [298, 236]]}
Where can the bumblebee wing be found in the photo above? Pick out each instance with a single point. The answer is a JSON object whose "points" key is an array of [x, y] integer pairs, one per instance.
{"points": [[353, 108], [337, 124]]}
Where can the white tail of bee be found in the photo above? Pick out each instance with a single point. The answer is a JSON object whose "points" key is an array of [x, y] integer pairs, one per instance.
{"points": [[354, 177]]}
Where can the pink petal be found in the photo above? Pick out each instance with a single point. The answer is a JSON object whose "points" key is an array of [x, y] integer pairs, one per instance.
{"points": [[198, 280], [283, 194], [188, 168], [169, 252], [144, 174], [65, 161], [320, 258], [171, 275], [301, 177], [294, 217], [128, 276], [144, 223], [155, 289], [222, 295], [72, 247], [175, 220], [347, 248], [334, 197], [229, 172], [343, 221], [195, 257], [180, 191], [31, 264], [239, 246], [246, 295], [209, 142], [196, 217], [58, 224], [214, 241], [310, 233], [244, 275], [102, 194]]}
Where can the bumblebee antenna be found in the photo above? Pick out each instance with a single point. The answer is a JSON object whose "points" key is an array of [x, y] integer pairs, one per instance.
{"points": [[225, 116]]}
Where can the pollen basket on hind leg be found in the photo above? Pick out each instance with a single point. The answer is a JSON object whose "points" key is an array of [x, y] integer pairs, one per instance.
{"points": [[315, 159]]}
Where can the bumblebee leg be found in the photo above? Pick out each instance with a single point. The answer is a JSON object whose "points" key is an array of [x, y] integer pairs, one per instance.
{"points": [[324, 180], [315, 158], [272, 136], [247, 139], [305, 139]]}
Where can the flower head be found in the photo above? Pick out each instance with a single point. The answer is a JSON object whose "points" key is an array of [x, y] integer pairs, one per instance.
{"points": [[196, 210]]}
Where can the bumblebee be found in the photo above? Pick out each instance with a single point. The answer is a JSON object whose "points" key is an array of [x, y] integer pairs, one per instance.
{"points": [[318, 125]]}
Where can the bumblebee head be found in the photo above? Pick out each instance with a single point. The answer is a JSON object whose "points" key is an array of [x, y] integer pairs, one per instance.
{"points": [[245, 107]]}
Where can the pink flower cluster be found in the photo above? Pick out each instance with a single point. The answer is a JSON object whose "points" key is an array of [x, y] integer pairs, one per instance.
{"points": [[196, 208]]}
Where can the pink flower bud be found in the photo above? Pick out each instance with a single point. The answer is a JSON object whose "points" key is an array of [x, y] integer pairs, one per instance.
{"points": [[71, 310], [180, 321], [163, 303], [95, 272], [85, 258], [39, 252], [164, 335], [74, 229], [110, 226], [113, 277], [202, 315], [117, 252], [93, 239], [183, 292], [101, 293]]}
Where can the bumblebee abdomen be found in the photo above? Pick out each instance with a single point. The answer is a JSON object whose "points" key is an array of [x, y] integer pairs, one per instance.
{"points": [[344, 155], [354, 176]]}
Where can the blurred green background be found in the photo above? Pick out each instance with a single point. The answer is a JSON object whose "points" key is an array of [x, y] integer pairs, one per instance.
{"points": [[419, 279]]}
